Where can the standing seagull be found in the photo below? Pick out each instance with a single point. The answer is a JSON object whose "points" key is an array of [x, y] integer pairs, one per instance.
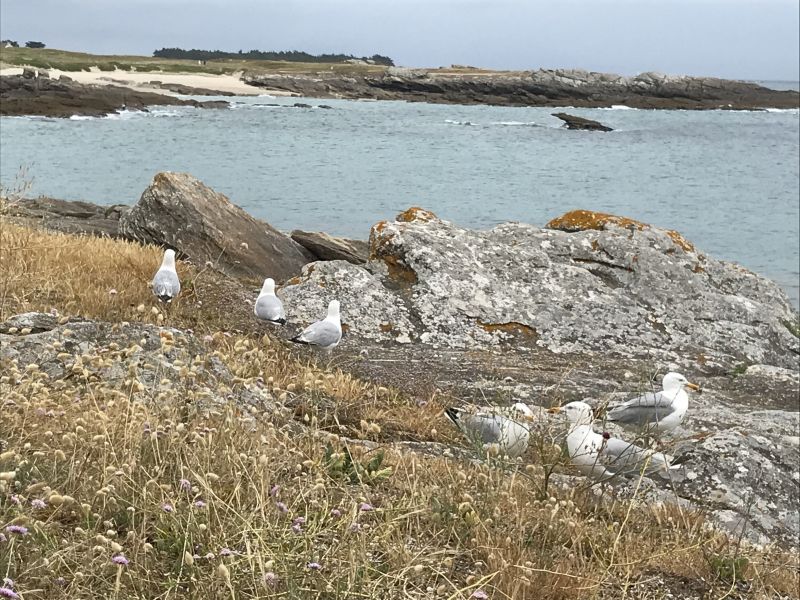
{"points": [[268, 306], [500, 427], [603, 457], [662, 411], [326, 333], [166, 284]]}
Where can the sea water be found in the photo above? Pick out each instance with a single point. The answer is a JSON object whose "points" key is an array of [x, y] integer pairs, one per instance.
{"points": [[729, 181]]}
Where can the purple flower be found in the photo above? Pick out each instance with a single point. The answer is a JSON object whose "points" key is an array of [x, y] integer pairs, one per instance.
{"points": [[38, 503], [270, 578], [282, 507], [366, 507], [185, 485], [225, 552], [336, 513], [314, 566], [480, 595], [119, 559], [355, 527], [14, 499], [8, 593], [209, 556], [299, 521], [199, 504], [273, 491], [296, 528], [167, 507], [18, 529], [60, 581]]}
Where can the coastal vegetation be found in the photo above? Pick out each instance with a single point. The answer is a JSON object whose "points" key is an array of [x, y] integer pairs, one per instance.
{"points": [[288, 56], [160, 484]]}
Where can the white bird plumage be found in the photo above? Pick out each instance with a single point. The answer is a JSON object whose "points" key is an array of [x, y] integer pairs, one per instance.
{"points": [[656, 412], [165, 284], [603, 457], [503, 427], [268, 306], [325, 334]]}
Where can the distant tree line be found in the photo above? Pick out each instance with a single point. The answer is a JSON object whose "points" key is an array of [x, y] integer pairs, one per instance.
{"points": [[292, 55], [13, 44]]}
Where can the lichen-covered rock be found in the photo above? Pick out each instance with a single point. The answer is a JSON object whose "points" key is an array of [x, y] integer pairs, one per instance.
{"points": [[326, 247], [110, 354], [179, 211], [590, 282]]}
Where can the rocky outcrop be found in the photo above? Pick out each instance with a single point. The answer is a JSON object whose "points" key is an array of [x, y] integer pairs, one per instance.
{"points": [[184, 90], [573, 122], [327, 247], [587, 283], [67, 216], [38, 94], [179, 211], [560, 87], [143, 359]]}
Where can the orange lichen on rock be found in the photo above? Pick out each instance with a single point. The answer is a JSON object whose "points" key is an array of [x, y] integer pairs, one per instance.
{"points": [[581, 220], [681, 241], [415, 213], [399, 272], [385, 327], [513, 328]]}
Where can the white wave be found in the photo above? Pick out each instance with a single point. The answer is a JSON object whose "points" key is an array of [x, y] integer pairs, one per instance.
{"points": [[515, 123], [82, 118], [266, 96], [783, 110], [453, 122], [617, 107]]}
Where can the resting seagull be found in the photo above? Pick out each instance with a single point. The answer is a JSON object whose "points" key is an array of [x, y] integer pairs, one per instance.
{"points": [[166, 284], [503, 428], [662, 411], [603, 457], [325, 334], [268, 306]]}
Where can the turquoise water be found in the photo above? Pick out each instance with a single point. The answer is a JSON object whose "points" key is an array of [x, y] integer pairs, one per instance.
{"points": [[729, 181]]}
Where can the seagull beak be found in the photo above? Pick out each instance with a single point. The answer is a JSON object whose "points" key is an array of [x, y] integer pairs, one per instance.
{"points": [[695, 387], [554, 410]]}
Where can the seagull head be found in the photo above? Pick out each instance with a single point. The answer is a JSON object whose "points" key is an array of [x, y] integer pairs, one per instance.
{"points": [[676, 381], [269, 286], [169, 258], [577, 412], [523, 409], [333, 309]]}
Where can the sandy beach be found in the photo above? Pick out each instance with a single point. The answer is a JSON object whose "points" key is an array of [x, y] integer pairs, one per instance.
{"points": [[138, 80]]}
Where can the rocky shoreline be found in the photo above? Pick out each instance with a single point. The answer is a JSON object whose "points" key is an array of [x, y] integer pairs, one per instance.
{"points": [[550, 88], [588, 306], [34, 93]]}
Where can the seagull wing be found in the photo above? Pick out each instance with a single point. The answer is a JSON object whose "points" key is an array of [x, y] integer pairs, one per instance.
{"points": [[322, 333], [166, 284], [270, 308], [644, 410]]}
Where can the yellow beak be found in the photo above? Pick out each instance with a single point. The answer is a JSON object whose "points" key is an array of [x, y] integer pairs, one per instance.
{"points": [[695, 387], [554, 410]]}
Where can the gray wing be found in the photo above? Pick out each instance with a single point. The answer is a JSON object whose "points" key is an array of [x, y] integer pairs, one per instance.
{"points": [[483, 429], [321, 333], [621, 457], [270, 308], [646, 409], [166, 284]]}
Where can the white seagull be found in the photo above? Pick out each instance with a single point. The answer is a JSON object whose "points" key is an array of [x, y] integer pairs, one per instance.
{"points": [[505, 428], [662, 411], [603, 457], [326, 333], [166, 284], [268, 306]]}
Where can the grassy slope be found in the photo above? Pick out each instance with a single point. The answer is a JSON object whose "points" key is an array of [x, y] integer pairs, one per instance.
{"points": [[442, 528]]}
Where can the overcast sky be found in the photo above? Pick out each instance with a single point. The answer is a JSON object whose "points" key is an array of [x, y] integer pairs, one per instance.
{"points": [[753, 39]]}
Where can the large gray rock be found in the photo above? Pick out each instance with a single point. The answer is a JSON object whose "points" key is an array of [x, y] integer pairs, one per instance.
{"points": [[573, 122], [68, 216], [179, 211], [589, 283]]}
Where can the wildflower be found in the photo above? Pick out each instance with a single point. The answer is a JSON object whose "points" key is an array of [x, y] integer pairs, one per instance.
{"points": [[336, 513], [273, 491], [8, 582], [355, 527], [18, 529], [185, 485], [199, 504], [38, 504], [282, 507], [270, 578], [167, 507], [226, 552], [366, 507], [14, 499], [480, 595], [60, 581], [119, 559], [299, 521], [209, 556], [314, 566], [8, 593], [296, 528]]}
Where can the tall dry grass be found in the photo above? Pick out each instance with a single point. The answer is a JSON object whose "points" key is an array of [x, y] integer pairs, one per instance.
{"points": [[123, 490]]}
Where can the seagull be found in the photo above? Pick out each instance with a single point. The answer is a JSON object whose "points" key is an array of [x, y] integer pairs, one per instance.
{"points": [[500, 427], [166, 284], [326, 333], [662, 411], [268, 306], [603, 457]]}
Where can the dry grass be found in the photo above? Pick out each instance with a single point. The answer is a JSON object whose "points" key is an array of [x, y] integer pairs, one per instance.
{"points": [[210, 500]]}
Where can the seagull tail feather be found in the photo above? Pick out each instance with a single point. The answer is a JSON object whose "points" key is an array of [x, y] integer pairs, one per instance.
{"points": [[452, 413]]}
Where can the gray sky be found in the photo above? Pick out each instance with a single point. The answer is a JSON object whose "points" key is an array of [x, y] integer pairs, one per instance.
{"points": [[753, 39]]}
